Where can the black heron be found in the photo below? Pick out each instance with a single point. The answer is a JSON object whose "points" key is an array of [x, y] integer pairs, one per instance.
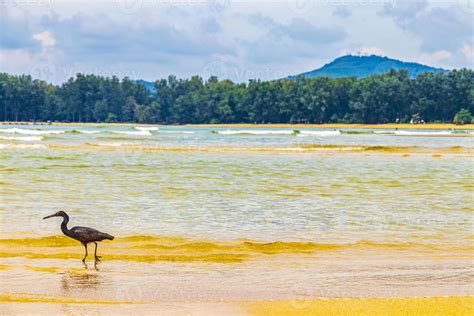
{"points": [[83, 234]]}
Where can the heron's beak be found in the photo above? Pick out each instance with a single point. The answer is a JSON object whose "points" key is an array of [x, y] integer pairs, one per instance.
{"points": [[49, 216]]}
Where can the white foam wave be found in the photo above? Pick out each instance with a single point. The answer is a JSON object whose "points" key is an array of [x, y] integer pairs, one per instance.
{"points": [[88, 132], [146, 128], [137, 133], [319, 133], [23, 138], [422, 133], [178, 132], [256, 132], [30, 131]]}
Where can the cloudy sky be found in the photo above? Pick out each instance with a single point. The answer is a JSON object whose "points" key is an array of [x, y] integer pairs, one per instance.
{"points": [[151, 39]]}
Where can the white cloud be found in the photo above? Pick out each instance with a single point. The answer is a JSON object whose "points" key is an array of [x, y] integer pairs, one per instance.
{"points": [[439, 58], [442, 54], [468, 52], [286, 42], [439, 28], [15, 60], [45, 38], [342, 11], [252, 38]]}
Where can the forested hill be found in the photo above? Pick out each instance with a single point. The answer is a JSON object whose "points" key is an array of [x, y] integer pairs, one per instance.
{"points": [[365, 66], [390, 97], [149, 85]]}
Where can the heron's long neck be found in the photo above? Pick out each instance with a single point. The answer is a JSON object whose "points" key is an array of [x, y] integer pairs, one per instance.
{"points": [[64, 228]]}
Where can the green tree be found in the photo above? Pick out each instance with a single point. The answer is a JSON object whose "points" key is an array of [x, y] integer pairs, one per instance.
{"points": [[463, 117], [390, 97]]}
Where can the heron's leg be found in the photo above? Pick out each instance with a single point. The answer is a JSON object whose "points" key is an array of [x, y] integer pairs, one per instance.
{"points": [[84, 259], [97, 258]]}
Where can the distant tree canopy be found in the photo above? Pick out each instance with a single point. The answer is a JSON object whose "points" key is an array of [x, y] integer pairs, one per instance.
{"points": [[390, 97]]}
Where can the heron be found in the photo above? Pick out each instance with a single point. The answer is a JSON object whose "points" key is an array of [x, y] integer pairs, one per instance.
{"points": [[83, 234]]}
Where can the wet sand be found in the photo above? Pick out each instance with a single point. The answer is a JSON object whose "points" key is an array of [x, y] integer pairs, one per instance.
{"points": [[149, 275], [84, 308], [374, 306]]}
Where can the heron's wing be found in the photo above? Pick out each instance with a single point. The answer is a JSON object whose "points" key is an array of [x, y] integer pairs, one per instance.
{"points": [[87, 234]]}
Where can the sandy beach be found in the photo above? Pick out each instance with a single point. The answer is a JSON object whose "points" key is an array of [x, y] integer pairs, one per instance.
{"points": [[442, 306], [371, 222]]}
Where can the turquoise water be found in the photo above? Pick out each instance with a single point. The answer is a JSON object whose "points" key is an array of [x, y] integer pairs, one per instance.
{"points": [[191, 137], [109, 177], [254, 215]]}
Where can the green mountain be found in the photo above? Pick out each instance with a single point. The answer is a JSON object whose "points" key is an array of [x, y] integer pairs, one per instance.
{"points": [[150, 86], [365, 66]]}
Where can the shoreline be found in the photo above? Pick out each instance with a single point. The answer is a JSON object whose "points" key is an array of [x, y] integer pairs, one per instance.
{"points": [[440, 126], [346, 126], [446, 305]]}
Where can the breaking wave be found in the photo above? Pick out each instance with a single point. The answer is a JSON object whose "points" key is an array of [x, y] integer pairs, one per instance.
{"points": [[303, 133], [146, 128], [30, 131], [319, 133], [255, 132], [137, 133], [23, 138], [74, 131], [177, 132], [422, 133]]}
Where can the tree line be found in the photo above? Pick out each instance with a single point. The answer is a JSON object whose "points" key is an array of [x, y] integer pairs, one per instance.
{"points": [[385, 98]]}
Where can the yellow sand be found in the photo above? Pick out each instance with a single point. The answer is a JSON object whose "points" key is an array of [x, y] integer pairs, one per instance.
{"points": [[147, 248], [352, 126], [31, 298], [353, 306], [367, 306], [337, 126]]}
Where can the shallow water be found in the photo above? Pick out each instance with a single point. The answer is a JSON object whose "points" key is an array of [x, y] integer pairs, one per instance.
{"points": [[213, 208]]}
